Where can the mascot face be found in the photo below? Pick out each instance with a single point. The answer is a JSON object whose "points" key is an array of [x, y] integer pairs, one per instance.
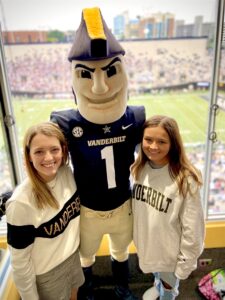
{"points": [[100, 87]]}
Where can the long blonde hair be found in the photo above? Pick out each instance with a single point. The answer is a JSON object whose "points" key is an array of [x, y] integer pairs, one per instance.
{"points": [[180, 166], [42, 193]]}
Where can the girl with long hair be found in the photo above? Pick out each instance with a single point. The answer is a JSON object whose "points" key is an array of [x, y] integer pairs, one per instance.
{"points": [[43, 220], [169, 224]]}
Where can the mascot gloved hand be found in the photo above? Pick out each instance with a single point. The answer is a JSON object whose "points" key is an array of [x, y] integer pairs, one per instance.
{"points": [[102, 135]]}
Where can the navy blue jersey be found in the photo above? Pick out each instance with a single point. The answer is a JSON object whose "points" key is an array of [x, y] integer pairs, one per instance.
{"points": [[102, 155]]}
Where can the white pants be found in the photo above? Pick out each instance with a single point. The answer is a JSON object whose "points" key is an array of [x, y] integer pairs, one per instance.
{"points": [[117, 223]]}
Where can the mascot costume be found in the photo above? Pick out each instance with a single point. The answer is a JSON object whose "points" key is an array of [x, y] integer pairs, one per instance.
{"points": [[102, 135]]}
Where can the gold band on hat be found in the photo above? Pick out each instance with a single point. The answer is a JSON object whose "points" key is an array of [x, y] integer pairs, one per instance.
{"points": [[93, 20]]}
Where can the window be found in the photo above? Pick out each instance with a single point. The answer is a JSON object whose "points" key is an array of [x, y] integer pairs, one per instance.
{"points": [[173, 74]]}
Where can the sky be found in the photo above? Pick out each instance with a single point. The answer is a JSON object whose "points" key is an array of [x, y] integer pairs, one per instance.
{"points": [[66, 14]]}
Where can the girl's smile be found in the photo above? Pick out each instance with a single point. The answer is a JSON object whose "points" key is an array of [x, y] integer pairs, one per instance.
{"points": [[156, 145], [46, 155]]}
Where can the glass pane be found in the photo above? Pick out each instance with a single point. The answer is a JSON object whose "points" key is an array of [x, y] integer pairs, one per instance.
{"points": [[168, 56], [5, 176], [217, 185], [5, 186]]}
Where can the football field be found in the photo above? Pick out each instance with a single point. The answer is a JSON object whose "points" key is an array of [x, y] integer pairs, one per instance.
{"points": [[189, 109]]}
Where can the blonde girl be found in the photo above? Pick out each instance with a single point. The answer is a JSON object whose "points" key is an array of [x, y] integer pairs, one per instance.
{"points": [[43, 220]]}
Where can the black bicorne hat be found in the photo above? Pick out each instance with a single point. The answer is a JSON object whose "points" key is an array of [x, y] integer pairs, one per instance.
{"points": [[93, 39]]}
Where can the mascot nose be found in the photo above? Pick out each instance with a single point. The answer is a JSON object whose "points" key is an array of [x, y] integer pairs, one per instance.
{"points": [[99, 84]]}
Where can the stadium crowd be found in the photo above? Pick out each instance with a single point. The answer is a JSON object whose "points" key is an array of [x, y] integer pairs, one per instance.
{"points": [[41, 69], [44, 69], [216, 202]]}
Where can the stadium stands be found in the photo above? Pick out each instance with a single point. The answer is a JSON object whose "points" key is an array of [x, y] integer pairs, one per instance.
{"points": [[43, 68]]}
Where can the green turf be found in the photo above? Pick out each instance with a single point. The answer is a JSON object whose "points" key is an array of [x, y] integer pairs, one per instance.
{"points": [[189, 109]]}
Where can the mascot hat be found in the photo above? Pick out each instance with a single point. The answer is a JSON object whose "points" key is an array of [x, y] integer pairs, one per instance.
{"points": [[93, 39]]}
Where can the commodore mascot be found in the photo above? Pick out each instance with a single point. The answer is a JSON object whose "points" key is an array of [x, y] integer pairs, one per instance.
{"points": [[102, 135]]}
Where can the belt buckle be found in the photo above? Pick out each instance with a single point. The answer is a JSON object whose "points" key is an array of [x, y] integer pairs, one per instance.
{"points": [[103, 215], [109, 214]]}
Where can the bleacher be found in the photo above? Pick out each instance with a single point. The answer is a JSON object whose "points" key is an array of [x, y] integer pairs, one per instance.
{"points": [[44, 68]]}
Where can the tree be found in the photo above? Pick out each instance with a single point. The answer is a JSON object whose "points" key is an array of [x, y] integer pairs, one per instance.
{"points": [[56, 36]]}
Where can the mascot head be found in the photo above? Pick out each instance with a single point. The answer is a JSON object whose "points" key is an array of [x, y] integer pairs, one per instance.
{"points": [[99, 77]]}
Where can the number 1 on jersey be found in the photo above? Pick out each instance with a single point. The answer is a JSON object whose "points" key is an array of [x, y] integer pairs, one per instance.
{"points": [[107, 154]]}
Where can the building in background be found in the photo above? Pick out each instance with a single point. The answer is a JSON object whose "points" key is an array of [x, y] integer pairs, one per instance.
{"points": [[159, 25], [152, 26], [24, 37]]}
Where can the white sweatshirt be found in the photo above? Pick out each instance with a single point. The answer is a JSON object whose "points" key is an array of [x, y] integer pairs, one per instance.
{"points": [[39, 240], [169, 231]]}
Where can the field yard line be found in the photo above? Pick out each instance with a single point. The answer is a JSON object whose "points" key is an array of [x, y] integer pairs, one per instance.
{"points": [[187, 121], [196, 112], [198, 129]]}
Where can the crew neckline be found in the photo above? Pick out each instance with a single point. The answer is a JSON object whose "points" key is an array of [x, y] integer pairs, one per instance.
{"points": [[154, 166]]}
